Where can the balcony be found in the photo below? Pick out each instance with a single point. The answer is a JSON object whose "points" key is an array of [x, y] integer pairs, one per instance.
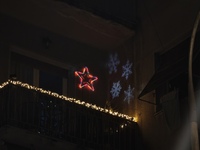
{"points": [[45, 114]]}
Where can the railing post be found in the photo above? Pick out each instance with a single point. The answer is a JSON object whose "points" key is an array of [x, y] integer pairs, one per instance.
{"points": [[8, 104]]}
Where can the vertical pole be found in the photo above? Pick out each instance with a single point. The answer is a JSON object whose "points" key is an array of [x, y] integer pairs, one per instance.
{"points": [[191, 97]]}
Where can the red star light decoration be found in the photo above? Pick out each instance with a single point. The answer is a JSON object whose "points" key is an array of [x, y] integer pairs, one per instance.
{"points": [[86, 79]]}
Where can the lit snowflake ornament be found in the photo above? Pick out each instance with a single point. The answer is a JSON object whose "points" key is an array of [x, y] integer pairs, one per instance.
{"points": [[113, 62], [128, 94], [127, 69], [116, 88]]}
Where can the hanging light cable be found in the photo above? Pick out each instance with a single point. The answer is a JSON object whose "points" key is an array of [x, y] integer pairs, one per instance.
{"points": [[191, 96]]}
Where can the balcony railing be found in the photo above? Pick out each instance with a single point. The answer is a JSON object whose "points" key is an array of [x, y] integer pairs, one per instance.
{"points": [[53, 115]]}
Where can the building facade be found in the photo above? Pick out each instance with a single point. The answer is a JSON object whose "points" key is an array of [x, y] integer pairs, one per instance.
{"points": [[141, 70]]}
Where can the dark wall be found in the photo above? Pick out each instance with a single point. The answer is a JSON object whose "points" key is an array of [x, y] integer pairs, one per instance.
{"points": [[42, 42]]}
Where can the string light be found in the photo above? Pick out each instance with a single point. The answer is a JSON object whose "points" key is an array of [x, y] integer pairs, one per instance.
{"points": [[56, 95], [4, 84]]}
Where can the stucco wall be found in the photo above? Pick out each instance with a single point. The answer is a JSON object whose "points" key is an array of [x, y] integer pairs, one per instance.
{"points": [[161, 25], [4, 61]]}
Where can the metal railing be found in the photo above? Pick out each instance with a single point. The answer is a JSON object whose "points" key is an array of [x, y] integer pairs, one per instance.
{"points": [[57, 118]]}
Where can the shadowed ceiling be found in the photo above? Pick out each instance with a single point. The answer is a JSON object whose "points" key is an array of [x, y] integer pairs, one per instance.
{"points": [[101, 24]]}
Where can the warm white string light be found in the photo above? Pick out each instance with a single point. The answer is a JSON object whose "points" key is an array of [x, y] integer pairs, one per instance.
{"points": [[4, 84], [92, 106]]}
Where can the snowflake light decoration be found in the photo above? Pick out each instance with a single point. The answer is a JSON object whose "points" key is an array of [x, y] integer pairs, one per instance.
{"points": [[116, 88], [127, 69], [113, 62], [128, 94], [86, 79]]}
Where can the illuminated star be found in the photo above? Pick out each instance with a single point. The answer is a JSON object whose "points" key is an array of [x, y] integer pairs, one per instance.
{"points": [[86, 79]]}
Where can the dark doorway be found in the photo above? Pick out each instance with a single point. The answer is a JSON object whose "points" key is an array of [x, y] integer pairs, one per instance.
{"points": [[51, 82]]}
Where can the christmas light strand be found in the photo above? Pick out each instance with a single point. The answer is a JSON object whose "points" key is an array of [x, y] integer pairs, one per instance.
{"points": [[56, 95]]}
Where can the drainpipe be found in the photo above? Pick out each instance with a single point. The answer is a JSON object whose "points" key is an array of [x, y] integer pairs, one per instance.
{"points": [[191, 95]]}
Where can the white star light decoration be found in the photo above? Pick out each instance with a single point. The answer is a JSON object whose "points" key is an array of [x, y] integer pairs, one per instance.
{"points": [[116, 88], [113, 62], [128, 94], [127, 69]]}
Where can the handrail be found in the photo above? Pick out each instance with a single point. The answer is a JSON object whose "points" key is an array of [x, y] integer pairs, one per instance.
{"points": [[92, 106], [57, 116]]}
